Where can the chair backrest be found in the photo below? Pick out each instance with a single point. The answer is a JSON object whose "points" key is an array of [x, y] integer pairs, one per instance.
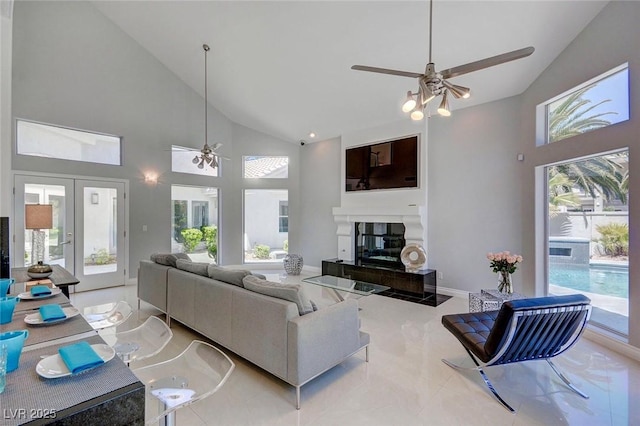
{"points": [[537, 328], [198, 372], [118, 314]]}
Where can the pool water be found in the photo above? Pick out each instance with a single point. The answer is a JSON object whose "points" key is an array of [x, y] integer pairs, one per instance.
{"points": [[599, 279]]}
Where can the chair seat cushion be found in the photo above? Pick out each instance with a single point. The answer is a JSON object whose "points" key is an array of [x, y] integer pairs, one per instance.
{"points": [[472, 330]]}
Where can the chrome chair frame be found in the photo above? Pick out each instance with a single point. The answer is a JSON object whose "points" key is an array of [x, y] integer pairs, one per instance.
{"points": [[548, 327]]}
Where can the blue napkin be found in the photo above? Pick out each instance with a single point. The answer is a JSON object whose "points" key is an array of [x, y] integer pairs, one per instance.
{"points": [[40, 290], [51, 312], [79, 357]]}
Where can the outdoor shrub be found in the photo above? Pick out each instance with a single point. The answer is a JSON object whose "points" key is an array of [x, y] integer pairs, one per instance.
{"points": [[211, 240], [102, 257], [192, 237], [285, 245], [614, 238], [261, 251]]}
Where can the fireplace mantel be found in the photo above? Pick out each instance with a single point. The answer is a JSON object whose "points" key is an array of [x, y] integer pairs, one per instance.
{"points": [[413, 217]]}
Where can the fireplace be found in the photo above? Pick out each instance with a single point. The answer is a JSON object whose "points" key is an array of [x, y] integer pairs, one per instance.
{"points": [[379, 244]]}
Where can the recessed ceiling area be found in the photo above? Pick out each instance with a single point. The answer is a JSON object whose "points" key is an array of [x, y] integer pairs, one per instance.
{"points": [[284, 67]]}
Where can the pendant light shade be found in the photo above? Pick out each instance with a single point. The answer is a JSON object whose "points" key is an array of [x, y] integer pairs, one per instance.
{"points": [[409, 103], [443, 109]]}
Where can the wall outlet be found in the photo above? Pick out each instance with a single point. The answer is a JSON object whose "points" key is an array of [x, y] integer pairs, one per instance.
{"points": [[144, 228], [440, 275]]}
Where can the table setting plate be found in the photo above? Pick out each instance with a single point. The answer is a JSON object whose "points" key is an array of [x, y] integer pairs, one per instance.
{"points": [[28, 296], [36, 318], [53, 367]]}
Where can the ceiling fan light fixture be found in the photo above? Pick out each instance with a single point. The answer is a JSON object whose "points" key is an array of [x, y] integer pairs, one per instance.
{"points": [[409, 103], [443, 109], [426, 92], [417, 114], [458, 91]]}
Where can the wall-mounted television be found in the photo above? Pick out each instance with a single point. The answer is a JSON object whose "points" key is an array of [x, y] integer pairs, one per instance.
{"points": [[383, 165]]}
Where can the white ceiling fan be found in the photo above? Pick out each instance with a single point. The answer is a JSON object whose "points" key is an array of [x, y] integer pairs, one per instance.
{"points": [[433, 83]]}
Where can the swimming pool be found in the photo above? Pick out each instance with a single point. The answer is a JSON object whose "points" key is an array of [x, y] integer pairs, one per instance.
{"points": [[608, 280]]}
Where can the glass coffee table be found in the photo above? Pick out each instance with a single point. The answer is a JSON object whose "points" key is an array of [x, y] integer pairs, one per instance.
{"points": [[338, 284]]}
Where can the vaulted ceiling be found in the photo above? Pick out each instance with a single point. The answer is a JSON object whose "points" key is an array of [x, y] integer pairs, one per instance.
{"points": [[283, 68]]}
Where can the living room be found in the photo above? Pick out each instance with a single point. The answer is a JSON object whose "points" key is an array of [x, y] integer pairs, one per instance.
{"points": [[67, 63]]}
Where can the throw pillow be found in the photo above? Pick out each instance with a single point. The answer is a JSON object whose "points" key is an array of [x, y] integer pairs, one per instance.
{"points": [[229, 276], [262, 277], [169, 259], [199, 268], [291, 292]]}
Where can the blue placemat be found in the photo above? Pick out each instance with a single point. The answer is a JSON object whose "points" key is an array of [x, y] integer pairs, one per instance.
{"points": [[79, 357], [51, 312]]}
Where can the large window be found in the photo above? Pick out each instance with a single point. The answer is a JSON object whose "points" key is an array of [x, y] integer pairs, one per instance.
{"points": [[261, 167], [588, 235], [44, 140], [265, 228], [597, 103], [194, 212]]}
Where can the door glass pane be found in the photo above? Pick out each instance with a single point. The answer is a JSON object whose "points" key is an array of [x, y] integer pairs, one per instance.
{"points": [[266, 225], [54, 237], [100, 230], [194, 210], [589, 235]]}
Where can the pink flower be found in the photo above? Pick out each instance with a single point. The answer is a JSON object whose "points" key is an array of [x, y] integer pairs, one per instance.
{"points": [[519, 259], [490, 256], [511, 259]]}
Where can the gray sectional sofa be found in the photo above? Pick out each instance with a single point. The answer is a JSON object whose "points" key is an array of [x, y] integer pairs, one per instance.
{"points": [[269, 332]]}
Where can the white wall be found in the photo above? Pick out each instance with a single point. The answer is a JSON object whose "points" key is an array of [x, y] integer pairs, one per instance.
{"points": [[474, 193], [6, 29], [74, 67], [321, 180]]}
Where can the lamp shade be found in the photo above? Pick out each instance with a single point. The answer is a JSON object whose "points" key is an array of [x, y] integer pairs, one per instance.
{"points": [[38, 216]]}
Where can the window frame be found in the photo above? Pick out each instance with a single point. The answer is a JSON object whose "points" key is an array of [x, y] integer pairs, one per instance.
{"points": [[542, 109]]}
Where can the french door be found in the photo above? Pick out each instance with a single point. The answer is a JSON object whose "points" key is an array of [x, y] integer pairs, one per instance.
{"points": [[87, 237]]}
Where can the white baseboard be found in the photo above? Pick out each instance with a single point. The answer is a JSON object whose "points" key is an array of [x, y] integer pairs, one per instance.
{"points": [[452, 292], [601, 338]]}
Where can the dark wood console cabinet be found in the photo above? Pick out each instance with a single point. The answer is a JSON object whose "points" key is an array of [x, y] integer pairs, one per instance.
{"points": [[419, 284]]}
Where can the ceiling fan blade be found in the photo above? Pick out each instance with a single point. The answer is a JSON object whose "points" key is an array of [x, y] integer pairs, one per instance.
{"points": [[487, 62], [182, 149], [386, 71]]}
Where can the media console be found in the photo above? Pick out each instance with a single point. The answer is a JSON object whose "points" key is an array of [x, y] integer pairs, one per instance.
{"points": [[418, 286]]}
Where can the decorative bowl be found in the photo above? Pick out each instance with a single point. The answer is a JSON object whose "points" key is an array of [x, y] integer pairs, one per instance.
{"points": [[39, 271]]}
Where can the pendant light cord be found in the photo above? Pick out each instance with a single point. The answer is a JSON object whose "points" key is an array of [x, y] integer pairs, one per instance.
{"points": [[206, 49], [430, 26]]}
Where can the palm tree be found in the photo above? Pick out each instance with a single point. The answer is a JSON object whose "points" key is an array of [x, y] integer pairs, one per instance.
{"points": [[567, 118], [600, 176]]}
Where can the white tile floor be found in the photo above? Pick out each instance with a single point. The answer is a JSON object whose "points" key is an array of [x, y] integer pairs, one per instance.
{"points": [[405, 382]]}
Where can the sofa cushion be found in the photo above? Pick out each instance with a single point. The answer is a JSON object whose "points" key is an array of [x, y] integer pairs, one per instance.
{"points": [[291, 292], [169, 259], [226, 275], [199, 268]]}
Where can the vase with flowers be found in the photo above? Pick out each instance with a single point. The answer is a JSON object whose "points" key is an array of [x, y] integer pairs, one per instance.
{"points": [[504, 263]]}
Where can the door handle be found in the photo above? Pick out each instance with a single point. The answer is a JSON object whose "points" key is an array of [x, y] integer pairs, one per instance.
{"points": [[66, 242]]}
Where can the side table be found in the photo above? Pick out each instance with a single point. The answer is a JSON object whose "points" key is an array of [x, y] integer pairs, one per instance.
{"points": [[490, 300]]}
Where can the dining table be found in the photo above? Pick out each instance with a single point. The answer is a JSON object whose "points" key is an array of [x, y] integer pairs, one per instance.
{"points": [[109, 394]]}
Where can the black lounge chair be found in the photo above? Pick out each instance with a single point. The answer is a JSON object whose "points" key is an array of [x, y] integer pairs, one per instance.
{"points": [[522, 330]]}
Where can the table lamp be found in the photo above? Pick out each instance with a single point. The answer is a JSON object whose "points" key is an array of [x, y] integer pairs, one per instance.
{"points": [[38, 217]]}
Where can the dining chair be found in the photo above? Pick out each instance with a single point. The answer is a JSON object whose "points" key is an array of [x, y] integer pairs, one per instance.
{"points": [[115, 314], [198, 372], [142, 342], [522, 330]]}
